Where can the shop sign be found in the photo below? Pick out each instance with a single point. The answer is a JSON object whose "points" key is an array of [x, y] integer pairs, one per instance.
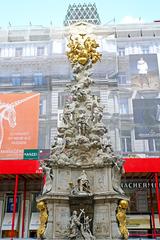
{"points": [[137, 185], [31, 154]]}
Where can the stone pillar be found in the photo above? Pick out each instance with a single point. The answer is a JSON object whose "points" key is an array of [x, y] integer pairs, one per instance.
{"points": [[58, 217], [101, 223], [114, 226], [49, 228]]}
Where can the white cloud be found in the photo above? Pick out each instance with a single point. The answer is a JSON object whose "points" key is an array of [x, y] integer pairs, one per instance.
{"points": [[130, 19]]}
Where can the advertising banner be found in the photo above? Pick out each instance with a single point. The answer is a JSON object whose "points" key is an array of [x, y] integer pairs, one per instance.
{"points": [[143, 71], [19, 115], [146, 113]]}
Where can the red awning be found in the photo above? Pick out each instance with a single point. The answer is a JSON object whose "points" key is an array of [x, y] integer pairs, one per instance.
{"points": [[20, 167], [131, 165], [148, 165]]}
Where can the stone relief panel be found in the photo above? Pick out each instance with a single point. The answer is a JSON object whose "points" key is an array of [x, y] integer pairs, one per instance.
{"points": [[101, 226], [91, 179], [100, 181], [62, 218], [50, 211], [63, 179], [113, 207]]}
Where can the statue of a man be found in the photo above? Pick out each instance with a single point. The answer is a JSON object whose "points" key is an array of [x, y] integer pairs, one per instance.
{"points": [[75, 224], [49, 176], [83, 182]]}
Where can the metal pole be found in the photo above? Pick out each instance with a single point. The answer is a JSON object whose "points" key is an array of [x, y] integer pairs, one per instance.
{"points": [[157, 194], [152, 209], [24, 208], [14, 205]]}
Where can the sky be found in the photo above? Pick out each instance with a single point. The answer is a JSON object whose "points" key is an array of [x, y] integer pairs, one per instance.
{"points": [[43, 12]]}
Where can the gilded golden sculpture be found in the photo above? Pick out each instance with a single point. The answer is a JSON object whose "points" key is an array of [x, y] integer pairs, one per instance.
{"points": [[43, 219], [83, 50], [121, 217]]}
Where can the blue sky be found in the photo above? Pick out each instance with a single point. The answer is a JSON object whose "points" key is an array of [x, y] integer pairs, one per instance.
{"points": [[42, 12]]}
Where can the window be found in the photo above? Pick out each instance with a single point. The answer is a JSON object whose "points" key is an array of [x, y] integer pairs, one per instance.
{"points": [[38, 79], [53, 133], [42, 106], [154, 144], [40, 51], [122, 79], [123, 106], [42, 141], [145, 49], [34, 202], [57, 47], [121, 51], [10, 203], [16, 80], [157, 144], [157, 48], [141, 201], [126, 141], [18, 52]]}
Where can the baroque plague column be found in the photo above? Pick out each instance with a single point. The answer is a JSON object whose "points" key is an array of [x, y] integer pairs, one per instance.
{"points": [[83, 175]]}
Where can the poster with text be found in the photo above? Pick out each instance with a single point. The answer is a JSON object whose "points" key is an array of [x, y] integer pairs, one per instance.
{"points": [[19, 115], [146, 113], [143, 71]]}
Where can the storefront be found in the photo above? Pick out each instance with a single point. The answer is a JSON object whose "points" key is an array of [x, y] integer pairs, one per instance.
{"points": [[19, 216], [141, 183]]}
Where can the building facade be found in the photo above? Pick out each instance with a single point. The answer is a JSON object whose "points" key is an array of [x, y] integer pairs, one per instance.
{"points": [[33, 60]]}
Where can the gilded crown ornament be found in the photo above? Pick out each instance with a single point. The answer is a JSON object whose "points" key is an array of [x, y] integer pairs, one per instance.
{"points": [[83, 50]]}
